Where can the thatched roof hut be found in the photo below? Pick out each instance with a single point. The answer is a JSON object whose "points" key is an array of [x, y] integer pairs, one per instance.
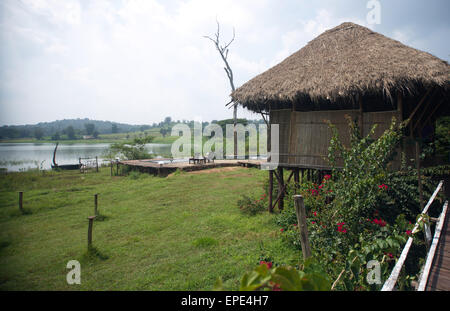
{"points": [[347, 70], [344, 61]]}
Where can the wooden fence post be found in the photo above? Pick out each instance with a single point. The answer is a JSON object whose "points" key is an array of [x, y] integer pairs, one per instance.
{"points": [[301, 219], [21, 201], [96, 204], [91, 222], [111, 167], [96, 163]]}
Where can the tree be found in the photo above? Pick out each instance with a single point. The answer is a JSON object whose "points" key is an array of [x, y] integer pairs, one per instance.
{"points": [[164, 131], [70, 132], [167, 120], [114, 128], [95, 134], [90, 128], [38, 133], [56, 136], [223, 51], [131, 150]]}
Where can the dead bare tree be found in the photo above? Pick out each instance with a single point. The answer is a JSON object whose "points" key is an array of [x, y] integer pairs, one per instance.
{"points": [[223, 51]]}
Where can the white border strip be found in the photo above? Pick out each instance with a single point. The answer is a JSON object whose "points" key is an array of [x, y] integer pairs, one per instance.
{"points": [[430, 257]]}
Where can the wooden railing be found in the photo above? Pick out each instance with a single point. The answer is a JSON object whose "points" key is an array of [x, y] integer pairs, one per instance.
{"points": [[392, 280], [88, 163], [437, 234]]}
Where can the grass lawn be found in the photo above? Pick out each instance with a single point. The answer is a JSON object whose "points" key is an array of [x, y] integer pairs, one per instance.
{"points": [[176, 233]]}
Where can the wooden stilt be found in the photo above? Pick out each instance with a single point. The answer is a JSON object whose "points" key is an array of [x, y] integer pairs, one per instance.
{"points": [[361, 116], [297, 178], [280, 188], [282, 192], [270, 191], [419, 178]]}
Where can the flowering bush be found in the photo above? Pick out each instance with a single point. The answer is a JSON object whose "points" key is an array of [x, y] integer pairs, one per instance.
{"points": [[353, 216], [251, 206]]}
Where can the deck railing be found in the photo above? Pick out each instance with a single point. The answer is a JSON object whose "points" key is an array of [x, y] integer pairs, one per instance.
{"points": [[87, 164], [392, 280]]}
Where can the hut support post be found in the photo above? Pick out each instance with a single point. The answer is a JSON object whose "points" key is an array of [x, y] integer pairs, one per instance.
{"points": [[301, 219], [297, 177], [270, 191], [280, 189], [419, 178], [400, 111], [283, 189], [361, 116]]}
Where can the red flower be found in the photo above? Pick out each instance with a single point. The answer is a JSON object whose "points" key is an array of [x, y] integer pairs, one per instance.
{"points": [[408, 232], [281, 229], [327, 177], [268, 264], [295, 225], [315, 213], [341, 227], [313, 222], [379, 222]]}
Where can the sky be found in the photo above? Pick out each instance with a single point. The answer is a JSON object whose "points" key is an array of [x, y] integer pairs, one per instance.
{"points": [[139, 61]]}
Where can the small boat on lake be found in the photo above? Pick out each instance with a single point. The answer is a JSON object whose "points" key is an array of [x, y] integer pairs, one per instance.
{"points": [[63, 166]]}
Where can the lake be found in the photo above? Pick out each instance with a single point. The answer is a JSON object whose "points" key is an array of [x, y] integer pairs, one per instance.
{"points": [[23, 156]]}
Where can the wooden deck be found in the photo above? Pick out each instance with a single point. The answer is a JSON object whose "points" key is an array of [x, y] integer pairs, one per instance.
{"points": [[439, 277], [151, 166]]}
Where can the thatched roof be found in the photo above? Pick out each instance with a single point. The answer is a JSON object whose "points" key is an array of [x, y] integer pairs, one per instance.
{"points": [[341, 62]]}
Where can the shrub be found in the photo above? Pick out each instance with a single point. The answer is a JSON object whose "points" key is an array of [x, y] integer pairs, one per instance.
{"points": [[251, 206], [362, 212]]}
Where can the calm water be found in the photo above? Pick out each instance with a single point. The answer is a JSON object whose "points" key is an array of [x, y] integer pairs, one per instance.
{"points": [[22, 156]]}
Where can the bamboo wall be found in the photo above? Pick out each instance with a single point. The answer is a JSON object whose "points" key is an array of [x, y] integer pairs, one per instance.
{"points": [[305, 137]]}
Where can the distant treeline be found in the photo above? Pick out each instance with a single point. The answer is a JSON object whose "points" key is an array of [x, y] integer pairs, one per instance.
{"points": [[77, 128]]}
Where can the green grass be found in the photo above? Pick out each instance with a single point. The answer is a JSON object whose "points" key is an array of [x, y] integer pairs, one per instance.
{"points": [[176, 233]]}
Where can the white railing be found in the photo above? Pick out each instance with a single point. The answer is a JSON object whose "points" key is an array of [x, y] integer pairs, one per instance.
{"points": [[392, 280], [437, 234]]}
